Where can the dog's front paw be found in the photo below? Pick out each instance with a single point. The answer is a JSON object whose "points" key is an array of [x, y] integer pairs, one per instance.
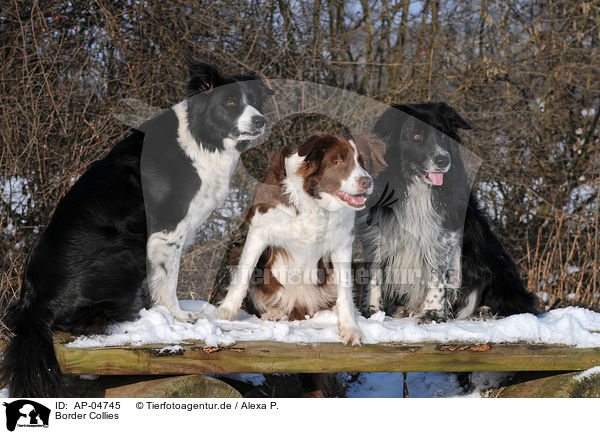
{"points": [[484, 312], [225, 313], [274, 315], [349, 335], [370, 311], [401, 312], [433, 316], [185, 316]]}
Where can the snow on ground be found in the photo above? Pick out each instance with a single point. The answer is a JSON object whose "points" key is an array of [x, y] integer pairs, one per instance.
{"points": [[419, 384], [586, 374], [570, 326], [390, 385], [422, 385]]}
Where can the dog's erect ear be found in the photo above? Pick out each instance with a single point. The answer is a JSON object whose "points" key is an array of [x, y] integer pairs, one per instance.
{"points": [[456, 121], [267, 90], [257, 79], [203, 76]]}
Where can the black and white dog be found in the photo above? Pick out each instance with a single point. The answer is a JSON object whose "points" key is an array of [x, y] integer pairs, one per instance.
{"points": [[117, 235], [431, 249]]}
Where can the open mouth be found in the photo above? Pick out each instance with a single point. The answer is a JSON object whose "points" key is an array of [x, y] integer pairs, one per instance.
{"points": [[434, 178], [250, 134], [354, 200]]}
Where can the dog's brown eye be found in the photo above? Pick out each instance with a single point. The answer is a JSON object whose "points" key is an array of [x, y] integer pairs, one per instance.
{"points": [[230, 102], [417, 137], [339, 163]]}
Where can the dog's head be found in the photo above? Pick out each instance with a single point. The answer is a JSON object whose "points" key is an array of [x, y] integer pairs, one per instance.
{"points": [[421, 138], [224, 110], [333, 173]]}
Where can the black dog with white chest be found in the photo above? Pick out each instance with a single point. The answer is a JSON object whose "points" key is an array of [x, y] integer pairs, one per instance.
{"points": [[431, 249], [115, 240]]}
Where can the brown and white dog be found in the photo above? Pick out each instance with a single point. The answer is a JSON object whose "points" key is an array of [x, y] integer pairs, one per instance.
{"points": [[299, 243]]}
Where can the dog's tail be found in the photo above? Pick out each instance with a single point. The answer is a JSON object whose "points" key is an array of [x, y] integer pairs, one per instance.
{"points": [[30, 367], [489, 270], [506, 295]]}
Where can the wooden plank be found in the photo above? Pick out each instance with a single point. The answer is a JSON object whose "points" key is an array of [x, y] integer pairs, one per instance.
{"points": [[277, 357]]}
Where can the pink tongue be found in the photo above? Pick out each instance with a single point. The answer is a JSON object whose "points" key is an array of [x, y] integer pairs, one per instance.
{"points": [[352, 200], [436, 178], [356, 200]]}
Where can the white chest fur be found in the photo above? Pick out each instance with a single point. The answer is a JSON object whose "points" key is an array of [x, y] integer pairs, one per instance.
{"points": [[214, 168], [420, 252], [307, 237]]}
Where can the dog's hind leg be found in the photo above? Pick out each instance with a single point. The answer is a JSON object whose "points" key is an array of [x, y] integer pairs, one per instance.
{"points": [[164, 251]]}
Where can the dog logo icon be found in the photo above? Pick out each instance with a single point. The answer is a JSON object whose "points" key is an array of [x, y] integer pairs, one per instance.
{"points": [[26, 413]]}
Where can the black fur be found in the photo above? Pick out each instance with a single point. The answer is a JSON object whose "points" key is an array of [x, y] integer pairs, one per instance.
{"points": [[87, 269], [485, 265], [84, 271]]}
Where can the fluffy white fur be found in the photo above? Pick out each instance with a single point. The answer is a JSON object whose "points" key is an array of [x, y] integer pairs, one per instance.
{"points": [[310, 230], [424, 257]]}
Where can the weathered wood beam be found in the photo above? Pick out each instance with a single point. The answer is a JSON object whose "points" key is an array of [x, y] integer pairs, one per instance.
{"points": [[277, 357]]}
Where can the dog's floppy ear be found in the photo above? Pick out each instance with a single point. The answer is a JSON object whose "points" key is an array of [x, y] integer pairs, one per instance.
{"points": [[203, 76], [372, 151], [456, 121], [312, 150], [265, 90]]}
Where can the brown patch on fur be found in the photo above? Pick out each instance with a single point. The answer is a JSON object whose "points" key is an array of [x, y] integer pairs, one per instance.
{"points": [[320, 173], [234, 256], [266, 283], [298, 313], [324, 272], [372, 151], [271, 193]]}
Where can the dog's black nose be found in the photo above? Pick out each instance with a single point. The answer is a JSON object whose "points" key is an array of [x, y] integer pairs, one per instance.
{"points": [[258, 121], [365, 182], [441, 160]]}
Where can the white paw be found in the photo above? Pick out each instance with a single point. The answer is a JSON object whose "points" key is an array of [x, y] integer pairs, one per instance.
{"points": [[224, 313], [274, 315], [349, 335], [185, 316], [433, 316]]}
